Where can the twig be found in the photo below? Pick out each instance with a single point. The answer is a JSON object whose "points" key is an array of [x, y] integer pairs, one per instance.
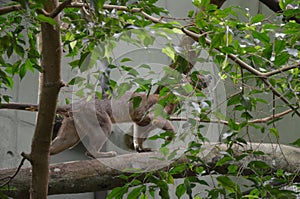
{"points": [[14, 175], [255, 121], [268, 74], [61, 6], [199, 120]]}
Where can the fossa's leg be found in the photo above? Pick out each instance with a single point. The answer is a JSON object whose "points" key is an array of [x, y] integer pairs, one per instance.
{"points": [[140, 133], [66, 138], [94, 123]]}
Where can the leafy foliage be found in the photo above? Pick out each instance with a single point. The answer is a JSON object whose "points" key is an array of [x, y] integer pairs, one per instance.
{"points": [[18, 48]]}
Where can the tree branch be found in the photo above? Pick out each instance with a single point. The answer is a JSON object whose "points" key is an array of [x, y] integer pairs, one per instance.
{"points": [[254, 121], [272, 4], [59, 8], [280, 70], [8, 9], [252, 70], [103, 174], [272, 117], [65, 109], [10, 178]]}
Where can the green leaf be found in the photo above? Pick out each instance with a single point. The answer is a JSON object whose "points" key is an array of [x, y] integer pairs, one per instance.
{"points": [[232, 169], [76, 80], [234, 100], [73, 44], [180, 190], [136, 101], [164, 151], [7, 80], [169, 52], [227, 183], [126, 59], [218, 40], [281, 59], [246, 102], [258, 165], [100, 3], [275, 132], [19, 50], [257, 18], [188, 187], [43, 18], [130, 70], [197, 3], [117, 192], [246, 115], [85, 62], [146, 66], [6, 98], [279, 46], [296, 143], [284, 3], [74, 63], [123, 88], [224, 160], [200, 170], [22, 71], [178, 169], [29, 65], [144, 196], [267, 52], [170, 179], [188, 88], [281, 4], [191, 13], [136, 192], [9, 51], [163, 190], [261, 36]]}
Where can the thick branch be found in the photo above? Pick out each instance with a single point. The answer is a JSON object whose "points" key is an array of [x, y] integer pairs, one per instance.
{"points": [[32, 107], [8, 9], [102, 174]]}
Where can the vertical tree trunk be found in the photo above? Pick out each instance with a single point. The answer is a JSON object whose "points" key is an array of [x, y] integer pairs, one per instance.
{"points": [[50, 86]]}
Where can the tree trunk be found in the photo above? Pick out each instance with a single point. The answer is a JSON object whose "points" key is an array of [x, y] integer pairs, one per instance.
{"points": [[50, 86]]}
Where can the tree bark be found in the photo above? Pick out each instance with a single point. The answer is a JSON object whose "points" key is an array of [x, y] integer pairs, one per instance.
{"points": [[102, 174], [50, 86]]}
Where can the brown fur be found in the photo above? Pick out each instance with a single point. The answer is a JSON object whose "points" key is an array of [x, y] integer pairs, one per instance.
{"points": [[78, 122]]}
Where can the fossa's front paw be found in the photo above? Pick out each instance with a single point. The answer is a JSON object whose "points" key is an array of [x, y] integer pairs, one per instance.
{"points": [[142, 150]]}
